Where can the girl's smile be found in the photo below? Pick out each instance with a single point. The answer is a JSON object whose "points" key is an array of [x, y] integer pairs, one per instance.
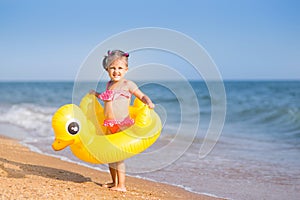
{"points": [[117, 70]]}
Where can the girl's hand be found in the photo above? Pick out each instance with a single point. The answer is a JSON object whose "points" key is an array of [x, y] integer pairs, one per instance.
{"points": [[93, 92], [151, 105]]}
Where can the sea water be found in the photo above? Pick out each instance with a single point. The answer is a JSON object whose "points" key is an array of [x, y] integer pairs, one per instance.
{"points": [[256, 157]]}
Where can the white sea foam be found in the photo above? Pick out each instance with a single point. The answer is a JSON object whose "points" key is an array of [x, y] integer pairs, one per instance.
{"points": [[32, 118]]}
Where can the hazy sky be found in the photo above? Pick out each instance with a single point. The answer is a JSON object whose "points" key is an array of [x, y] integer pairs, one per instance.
{"points": [[247, 39]]}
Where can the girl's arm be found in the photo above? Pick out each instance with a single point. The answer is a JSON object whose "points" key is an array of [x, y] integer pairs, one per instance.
{"points": [[146, 100], [94, 92], [140, 95]]}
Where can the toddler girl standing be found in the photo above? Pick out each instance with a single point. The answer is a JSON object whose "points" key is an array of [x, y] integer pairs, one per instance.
{"points": [[116, 100]]}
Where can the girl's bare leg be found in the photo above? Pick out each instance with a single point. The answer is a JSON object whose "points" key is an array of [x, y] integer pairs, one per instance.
{"points": [[113, 173], [120, 186], [112, 170]]}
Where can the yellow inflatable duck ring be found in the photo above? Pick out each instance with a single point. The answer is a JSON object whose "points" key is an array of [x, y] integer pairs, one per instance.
{"points": [[80, 127]]}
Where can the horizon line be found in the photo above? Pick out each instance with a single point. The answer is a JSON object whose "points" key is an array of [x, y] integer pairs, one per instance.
{"points": [[139, 80]]}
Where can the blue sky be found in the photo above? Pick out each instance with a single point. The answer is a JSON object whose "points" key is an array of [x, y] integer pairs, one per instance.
{"points": [[49, 40]]}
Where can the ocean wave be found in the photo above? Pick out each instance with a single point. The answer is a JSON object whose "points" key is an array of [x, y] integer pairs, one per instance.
{"points": [[30, 117], [268, 117]]}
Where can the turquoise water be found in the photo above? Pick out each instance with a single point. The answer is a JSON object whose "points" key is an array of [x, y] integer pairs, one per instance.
{"points": [[258, 151]]}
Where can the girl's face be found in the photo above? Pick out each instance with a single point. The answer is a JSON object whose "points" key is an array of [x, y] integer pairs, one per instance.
{"points": [[117, 70]]}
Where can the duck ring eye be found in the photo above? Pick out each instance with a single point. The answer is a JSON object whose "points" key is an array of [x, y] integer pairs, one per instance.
{"points": [[73, 128]]}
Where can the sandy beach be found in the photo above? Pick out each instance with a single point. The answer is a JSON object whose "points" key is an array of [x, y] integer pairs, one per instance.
{"points": [[29, 175]]}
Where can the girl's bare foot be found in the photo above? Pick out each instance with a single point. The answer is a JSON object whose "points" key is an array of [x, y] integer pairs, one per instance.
{"points": [[108, 185], [119, 189]]}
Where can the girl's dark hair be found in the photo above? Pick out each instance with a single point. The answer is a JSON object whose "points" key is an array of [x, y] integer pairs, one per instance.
{"points": [[112, 56]]}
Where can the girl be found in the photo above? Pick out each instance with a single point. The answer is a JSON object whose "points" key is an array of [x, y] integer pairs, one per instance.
{"points": [[116, 107]]}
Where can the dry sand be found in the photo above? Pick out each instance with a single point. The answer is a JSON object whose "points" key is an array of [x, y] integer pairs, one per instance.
{"points": [[28, 175]]}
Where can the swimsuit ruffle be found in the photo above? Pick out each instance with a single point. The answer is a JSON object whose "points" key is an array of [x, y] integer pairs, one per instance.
{"points": [[110, 95], [107, 95], [122, 122]]}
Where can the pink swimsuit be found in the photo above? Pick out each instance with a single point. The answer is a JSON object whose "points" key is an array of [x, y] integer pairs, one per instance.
{"points": [[114, 125], [110, 95]]}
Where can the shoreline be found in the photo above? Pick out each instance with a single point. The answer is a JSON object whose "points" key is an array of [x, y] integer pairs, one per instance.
{"points": [[27, 174]]}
